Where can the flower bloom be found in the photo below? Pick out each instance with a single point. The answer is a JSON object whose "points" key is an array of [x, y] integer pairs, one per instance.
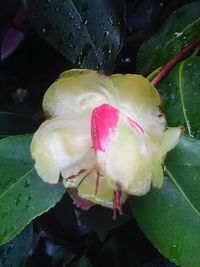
{"points": [[105, 136]]}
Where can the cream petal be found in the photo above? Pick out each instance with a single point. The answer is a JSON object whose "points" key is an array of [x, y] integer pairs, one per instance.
{"points": [[62, 145], [157, 175], [135, 92], [78, 92], [171, 138], [122, 151]]}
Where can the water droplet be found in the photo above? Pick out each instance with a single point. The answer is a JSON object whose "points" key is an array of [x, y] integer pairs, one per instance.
{"points": [[175, 252], [106, 34], [178, 34], [18, 199], [27, 183], [47, 29], [127, 60], [85, 21]]}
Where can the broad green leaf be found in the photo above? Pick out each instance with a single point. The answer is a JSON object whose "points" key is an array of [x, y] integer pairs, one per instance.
{"points": [[15, 253], [82, 262], [180, 29], [180, 92], [88, 33], [170, 217], [12, 124], [23, 195]]}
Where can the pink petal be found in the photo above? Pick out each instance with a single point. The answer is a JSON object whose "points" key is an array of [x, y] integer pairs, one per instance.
{"points": [[103, 125]]}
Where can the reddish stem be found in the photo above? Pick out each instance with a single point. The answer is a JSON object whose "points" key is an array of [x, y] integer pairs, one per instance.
{"points": [[170, 64]]}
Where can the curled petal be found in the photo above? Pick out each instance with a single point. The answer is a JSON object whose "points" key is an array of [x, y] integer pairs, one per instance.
{"points": [[78, 91], [136, 92], [171, 138], [62, 146]]}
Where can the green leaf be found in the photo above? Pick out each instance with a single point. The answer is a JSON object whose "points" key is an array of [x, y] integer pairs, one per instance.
{"points": [[180, 92], [23, 195], [82, 262], [15, 253], [88, 33], [98, 214], [12, 124], [180, 29], [170, 217]]}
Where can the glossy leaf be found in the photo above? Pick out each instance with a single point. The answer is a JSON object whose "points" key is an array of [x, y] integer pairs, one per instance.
{"points": [[12, 124], [15, 253], [180, 29], [180, 92], [23, 195], [88, 33], [170, 217]]}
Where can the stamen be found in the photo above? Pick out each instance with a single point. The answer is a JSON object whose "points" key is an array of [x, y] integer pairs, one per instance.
{"points": [[117, 202], [85, 176], [97, 183]]}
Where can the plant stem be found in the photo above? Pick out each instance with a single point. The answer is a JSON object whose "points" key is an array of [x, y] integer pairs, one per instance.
{"points": [[170, 64]]}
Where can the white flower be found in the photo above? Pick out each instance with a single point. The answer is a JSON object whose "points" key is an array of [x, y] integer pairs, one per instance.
{"points": [[105, 136]]}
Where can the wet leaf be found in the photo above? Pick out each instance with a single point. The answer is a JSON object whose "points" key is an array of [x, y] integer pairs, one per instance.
{"points": [[180, 92], [170, 217], [88, 33], [12, 124], [180, 29], [23, 195], [15, 253]]}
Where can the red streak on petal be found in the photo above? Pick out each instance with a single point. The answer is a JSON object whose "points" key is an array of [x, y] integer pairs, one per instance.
{"points": [[103, 124], [135, 125]]}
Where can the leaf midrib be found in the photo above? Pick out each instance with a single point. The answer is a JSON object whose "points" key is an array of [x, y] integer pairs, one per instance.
{"points": [[93, 46], [181, 89], [18, 181], [181, 191]]}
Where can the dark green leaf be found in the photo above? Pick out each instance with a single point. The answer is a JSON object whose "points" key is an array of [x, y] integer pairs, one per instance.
{"points": [[82, 262], [180, 92], [62, 256], [101, 220], [170, 217], [88, 33], [23, 195], [115, 252], [12, 123], [14, 253], [180, 29]]}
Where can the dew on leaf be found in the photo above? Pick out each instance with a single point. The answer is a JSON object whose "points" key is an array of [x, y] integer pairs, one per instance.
{"points": [[18, 199]]}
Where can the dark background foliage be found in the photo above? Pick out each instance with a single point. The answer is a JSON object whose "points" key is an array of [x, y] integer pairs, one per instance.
{"points": [[66, 236]]}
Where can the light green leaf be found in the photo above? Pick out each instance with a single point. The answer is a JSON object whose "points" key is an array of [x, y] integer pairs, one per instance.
{"points": [[23, 195]]}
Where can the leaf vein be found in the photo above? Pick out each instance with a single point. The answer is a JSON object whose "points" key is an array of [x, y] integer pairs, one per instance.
{"points": [[181, 191]]}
